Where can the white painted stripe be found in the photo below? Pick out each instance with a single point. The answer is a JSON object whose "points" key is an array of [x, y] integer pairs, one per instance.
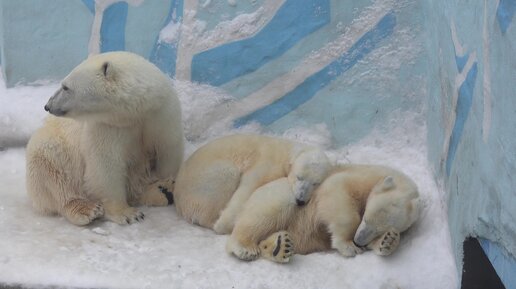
{"points": [[312, 64], [94, 44], [206, 4], [187, 37], [452, 116], [486, 122], [459, 49], [100, 7], [195, 39]]}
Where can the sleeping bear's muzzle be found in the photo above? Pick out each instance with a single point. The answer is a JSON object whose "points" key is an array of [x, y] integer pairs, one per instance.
{"points": [[302, 191], [364, 234]]}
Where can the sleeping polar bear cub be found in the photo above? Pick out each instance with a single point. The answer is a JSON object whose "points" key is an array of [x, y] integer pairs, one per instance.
{"points": [[115, 130], [215, 182], [357, 207]]}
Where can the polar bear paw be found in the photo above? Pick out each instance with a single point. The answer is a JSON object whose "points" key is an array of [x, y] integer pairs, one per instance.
{"points": [[158, 194], [82, 211], [125, 216], [387, 243], [278, 247], [347, 248], [246, 253]]}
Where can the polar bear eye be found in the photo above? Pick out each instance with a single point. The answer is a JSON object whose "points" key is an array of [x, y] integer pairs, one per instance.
{"points": [[316, 184], [65, 88], [299, 178]]}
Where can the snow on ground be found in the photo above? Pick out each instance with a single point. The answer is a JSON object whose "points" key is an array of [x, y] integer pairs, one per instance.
{"points": [[164, 251]]}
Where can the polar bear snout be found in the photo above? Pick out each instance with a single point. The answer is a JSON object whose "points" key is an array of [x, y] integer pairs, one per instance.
{"points": [[302, 190], [364, 234], [56, 112], [54, 104]]}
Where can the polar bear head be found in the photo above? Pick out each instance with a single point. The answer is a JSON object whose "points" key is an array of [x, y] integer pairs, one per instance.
{"points": [[307, 172], [112, 86], [392, 204]]}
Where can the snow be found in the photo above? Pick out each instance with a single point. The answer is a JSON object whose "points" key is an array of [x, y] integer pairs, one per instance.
{"points": [[165, 251], [170, 33], [21, 112]]}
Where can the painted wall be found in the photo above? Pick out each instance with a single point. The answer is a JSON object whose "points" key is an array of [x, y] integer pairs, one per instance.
{"points": [[44, 40], [352, 66], [471, 120], [285, 61]]}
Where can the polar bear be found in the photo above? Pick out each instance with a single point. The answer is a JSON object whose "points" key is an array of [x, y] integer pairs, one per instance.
{"points": [[357, 207], [215, 182], [114, 139]]}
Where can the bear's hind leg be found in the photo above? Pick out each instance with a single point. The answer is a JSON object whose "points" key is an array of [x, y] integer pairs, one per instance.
{"points": [[80, 211], [386, 243], [158, 194], [52, 191], [42, 183], [278, 247]]}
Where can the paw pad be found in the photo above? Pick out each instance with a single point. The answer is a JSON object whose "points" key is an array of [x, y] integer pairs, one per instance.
{"points": [[167, 193], [387, 243], [278, 247]]}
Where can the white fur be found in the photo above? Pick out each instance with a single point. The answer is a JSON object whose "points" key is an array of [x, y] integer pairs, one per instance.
{"points": [[362, 205], [216, 181], [118, 129]]}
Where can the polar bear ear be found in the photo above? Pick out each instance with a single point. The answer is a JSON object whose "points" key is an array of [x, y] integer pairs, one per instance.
{"points": [[105, 68], [388, 183]]}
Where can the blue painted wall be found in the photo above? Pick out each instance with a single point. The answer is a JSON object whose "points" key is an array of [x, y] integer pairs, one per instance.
{"points": [[294, 21], [294, 33], [32, 48], [471, 120], [350, 65]]}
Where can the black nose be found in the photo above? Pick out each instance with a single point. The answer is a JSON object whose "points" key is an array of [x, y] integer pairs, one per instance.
{"points": [[300, 202], [47, 108]]}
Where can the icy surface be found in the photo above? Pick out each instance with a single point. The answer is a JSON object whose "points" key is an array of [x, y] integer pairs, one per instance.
{"points": [[21, 112], [166, 252]]}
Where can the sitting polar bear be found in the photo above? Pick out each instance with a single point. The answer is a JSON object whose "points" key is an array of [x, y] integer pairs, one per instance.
{"points": [[114, 138], [215, 182], [357, 207]]}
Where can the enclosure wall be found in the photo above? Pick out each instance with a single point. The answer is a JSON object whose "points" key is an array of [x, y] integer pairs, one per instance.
{"points": [[471, 120]]}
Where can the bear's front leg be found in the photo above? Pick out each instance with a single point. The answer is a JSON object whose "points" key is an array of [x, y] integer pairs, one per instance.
{"points": [[248, 184], [342, 227], [106, 150], [246, 250], [269, 209]]}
